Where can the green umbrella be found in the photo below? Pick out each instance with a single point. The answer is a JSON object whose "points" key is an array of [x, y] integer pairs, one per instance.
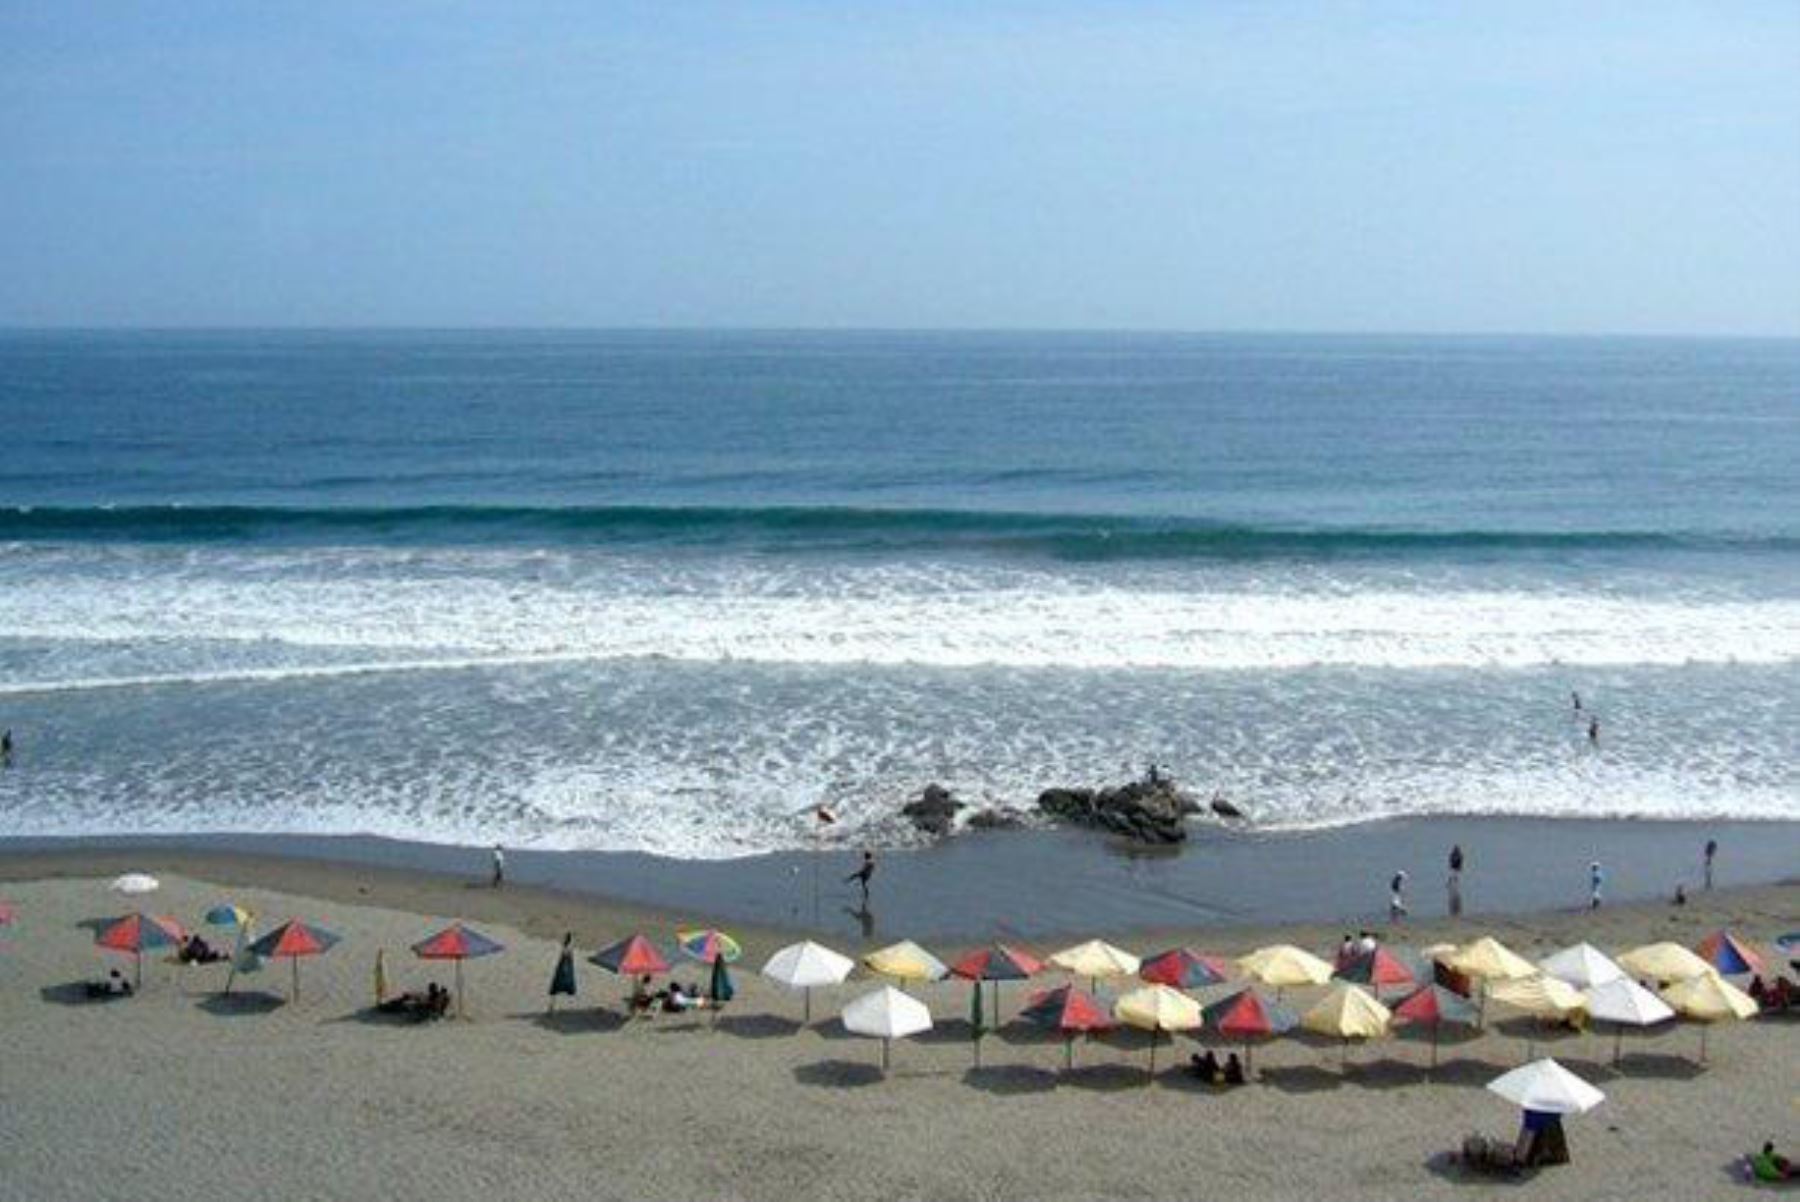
{"points": [[721, 989]]}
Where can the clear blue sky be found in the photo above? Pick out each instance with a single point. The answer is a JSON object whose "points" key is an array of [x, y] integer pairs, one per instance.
{"points": [[1510, 166]]}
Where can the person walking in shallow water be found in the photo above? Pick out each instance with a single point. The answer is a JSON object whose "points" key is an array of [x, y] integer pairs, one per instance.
{"points": [[1712, 849], [499, 867], [1454, 885], [862, 874], [6, 748], [1596, 879], [1593, 732], [1397, 896]]}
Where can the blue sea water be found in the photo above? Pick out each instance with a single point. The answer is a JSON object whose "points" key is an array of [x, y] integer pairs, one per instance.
{"points": [[666, 591]]}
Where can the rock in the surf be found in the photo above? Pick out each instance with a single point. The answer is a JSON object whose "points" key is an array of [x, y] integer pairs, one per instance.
{"points": [[1150, 810], [934, 812]]}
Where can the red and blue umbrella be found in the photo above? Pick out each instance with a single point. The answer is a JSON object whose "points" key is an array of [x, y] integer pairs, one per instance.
{"points": [[1729, 954], [634, 956], [997, 963], [138, 932], [457, 942], [1378, 968], [1433, 1006], [1070, 1011], [1246, 1016], [1184, 968], [292, 940]]}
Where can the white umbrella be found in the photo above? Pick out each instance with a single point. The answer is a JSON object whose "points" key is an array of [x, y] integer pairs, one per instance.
{"points": [[806, 965], [1545, 1085], [887, 1015], [135, 882], [1583, 966], [1625, 1003]]}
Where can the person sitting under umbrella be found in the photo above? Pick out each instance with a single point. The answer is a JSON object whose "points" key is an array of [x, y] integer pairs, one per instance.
{"points": [[196, 950], [1769, 1165], [1205, 1067], [114, 986]]}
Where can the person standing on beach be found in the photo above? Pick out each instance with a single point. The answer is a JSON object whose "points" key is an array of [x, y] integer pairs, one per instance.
{"points": [[1712, 849], [1455, 882], [6, 748], [1397, 896], [562, 981], [1576, 697], [499, 867], [1594, 732], [1596, 878], [863, 873]]}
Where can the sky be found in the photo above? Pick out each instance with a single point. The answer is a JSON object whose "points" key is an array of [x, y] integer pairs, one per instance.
{"points": [[1409, 167]]}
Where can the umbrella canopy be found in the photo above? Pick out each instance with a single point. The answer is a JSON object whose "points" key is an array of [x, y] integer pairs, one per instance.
{"points": [[1067, 1009], [1730, 955], [1433, 1005], [1158, 1008], [1347, 1012], [456, 942], [1184, 968], [1283, 965], [228, 916], [997, 963], [906, 961], [708, 945], [1541, 995], [1488, 959], [633, 956], [807, 965], [1709, 998], [294, 939], [1582, 965], [6, 914], [139, 932], [1663, 962], [887, 1015], [1544, 1085], [135, 882], [1245, 1015], [1095, 959], [1377, 968], [1623, 1000]]}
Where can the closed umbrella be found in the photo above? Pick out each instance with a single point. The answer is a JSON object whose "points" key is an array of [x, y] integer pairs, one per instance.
{"points": [[1663, 962], [1709, 998], [1245, 1016], [906, 961], [1096, 959], [1729, 955], [293, 940], [887, 1015], [1582, 965], [1157, 1008], [1284, 965], [1547, 1087], [719, 988], [1069, 1011], [806, 966], [138, 932], [457, 942], [135, 883], [1184, 968], [1434, 1006], [1624, 1003]]}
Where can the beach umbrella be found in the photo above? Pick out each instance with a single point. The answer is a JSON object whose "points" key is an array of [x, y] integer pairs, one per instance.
{"points": [[1347, 1012], [1069, 1011], [1244, 1016], [887, 1015], [997, 963], [1157, 1008], [806, 966], [139, 932], [1487, 959], [1284, 965], [292, 940], [7, 914], [1096, 959], [1433, 1006], [1542, 996], [1709, 998], [1624, 1003], [1583, 965], [1789, 942], [1663, 962], [1184, 968], [632, 956], [906, 961], [1729, 955], [1547, 1087], [228, 917], [719, 989], [134, 883], [458, 943], [1378, 968], [708, 945]]}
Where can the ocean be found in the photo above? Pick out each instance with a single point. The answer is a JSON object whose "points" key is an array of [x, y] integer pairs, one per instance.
{"points": [[667, 592]]}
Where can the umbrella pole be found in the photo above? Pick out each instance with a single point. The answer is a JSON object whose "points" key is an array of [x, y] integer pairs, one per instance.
{"points": [[1152, 1075], [1618, 1042], [806, 993], [460, 1012], [1434, 1043], [138, 958], [1703, 1031], [884, 1056], [1069, 1052], [294, 963]]}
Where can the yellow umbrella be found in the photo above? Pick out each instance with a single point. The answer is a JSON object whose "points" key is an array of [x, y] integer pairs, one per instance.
{"points": [[1542, 995], [1488, 959], [1157, 1008], [906, 961], [1663, 962], [1347, 1012], [1283, 965], [1095, 959], [1709, 998]]}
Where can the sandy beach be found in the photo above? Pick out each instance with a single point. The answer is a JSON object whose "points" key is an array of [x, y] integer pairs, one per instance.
{"points": [[180, 1092]]}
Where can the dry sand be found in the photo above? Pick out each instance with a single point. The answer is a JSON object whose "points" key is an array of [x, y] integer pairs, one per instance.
{"points": [[178, 1094]]}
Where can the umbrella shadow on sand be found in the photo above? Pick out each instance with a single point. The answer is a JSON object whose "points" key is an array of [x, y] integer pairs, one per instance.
{"points": [[1446, 1168], [75, 993], [233, 1005], [1103, 1078], [838, 1074], [759, 1026], [1661, 1065], [586, 1021], [1301, 1078], [1006, 1079]]}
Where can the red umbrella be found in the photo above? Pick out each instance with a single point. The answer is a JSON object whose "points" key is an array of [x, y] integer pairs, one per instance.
{"points": [[1245, 1016], [292, 940], [6, 914], [635, 956], [1375, 969], [1434, 1005], [997, 963], [456, 942], [1184, 968], [1069, 1010], [1729, 954], [138, 931]]}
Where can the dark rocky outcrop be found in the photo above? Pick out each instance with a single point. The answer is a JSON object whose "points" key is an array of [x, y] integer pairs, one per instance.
{"points": [[999, 818], [935, 811], [1150, 810]]}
